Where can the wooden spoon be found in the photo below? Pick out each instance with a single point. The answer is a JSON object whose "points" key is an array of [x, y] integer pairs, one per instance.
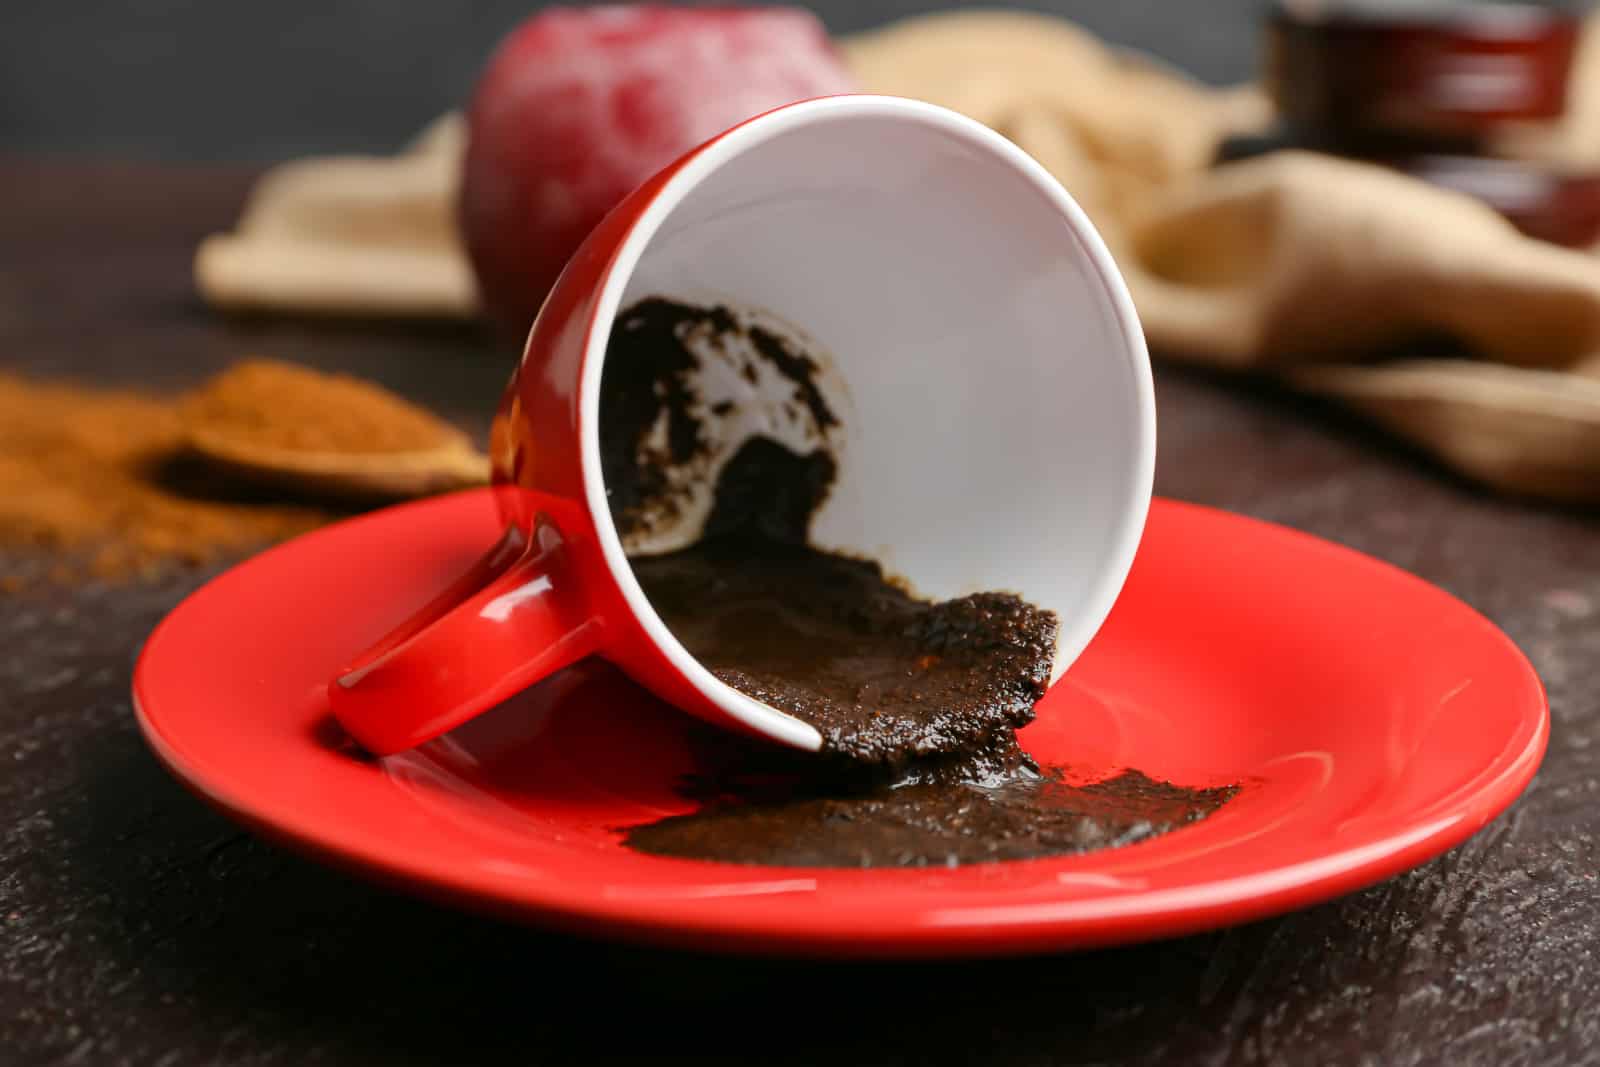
{"points": [[454, 463]]}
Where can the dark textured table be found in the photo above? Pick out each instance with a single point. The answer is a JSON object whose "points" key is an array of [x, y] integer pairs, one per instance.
{"points": [[137, 926]]}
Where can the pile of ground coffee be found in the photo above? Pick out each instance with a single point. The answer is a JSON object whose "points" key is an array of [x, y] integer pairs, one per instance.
{"points": [[274, 405], [100, 481]]}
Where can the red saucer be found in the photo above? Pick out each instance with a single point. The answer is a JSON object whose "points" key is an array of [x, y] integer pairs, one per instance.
{"points": [[1372, 720]]}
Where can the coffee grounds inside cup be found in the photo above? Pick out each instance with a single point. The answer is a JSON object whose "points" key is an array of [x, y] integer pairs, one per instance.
{"points": [[683, 389]]}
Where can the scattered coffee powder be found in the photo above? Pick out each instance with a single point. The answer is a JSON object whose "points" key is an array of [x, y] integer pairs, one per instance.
{"points": [[99, 481], [917, 702]]}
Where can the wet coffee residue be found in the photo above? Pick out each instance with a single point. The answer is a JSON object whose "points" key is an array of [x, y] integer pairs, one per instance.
{"points": [[884, 676], [917, 701], [764, 806]]}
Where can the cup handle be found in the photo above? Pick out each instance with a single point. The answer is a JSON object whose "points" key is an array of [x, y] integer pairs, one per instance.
{"points": [[514, 617]]}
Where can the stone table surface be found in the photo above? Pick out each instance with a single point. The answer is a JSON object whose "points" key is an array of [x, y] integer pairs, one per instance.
{"points": [[138, 926]]}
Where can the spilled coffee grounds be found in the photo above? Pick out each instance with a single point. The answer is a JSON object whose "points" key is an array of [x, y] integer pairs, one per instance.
{"points": [[917, 702]]}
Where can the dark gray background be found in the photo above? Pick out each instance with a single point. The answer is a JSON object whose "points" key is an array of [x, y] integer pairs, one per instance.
{"points": [[231, 79]]}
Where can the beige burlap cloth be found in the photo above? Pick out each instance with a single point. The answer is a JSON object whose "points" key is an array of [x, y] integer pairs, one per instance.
{"points": [[1302, 265]]}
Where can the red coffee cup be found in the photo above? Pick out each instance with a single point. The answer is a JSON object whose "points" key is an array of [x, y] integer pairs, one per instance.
{"points": [[997, 418]]}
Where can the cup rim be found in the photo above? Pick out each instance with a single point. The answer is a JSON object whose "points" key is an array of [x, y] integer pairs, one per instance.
{"points": [[687, 174]]}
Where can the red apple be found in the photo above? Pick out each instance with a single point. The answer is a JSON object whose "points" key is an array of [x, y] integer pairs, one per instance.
{"points": [[578, 106]]}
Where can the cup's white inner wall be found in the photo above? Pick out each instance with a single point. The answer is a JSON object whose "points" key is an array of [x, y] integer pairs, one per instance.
{"points": [[994, 425]]}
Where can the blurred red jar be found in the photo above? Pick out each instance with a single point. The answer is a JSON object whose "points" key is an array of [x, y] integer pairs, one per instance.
{"points": [[1543, 202], [1445, 73]]}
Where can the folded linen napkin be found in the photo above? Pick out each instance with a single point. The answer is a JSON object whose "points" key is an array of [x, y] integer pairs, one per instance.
{"points": [[1315, 269]]}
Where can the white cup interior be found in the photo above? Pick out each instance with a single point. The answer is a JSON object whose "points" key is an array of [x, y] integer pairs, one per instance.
{"points": [[999, 426]]}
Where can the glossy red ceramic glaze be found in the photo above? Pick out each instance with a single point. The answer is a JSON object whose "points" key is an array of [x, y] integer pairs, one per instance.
{"points": [[1371, 720], [548, 604]]}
